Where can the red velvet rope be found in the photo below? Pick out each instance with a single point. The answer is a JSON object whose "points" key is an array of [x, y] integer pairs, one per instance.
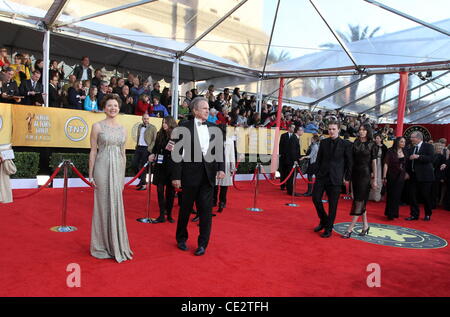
{"points": [[137, 176], [234, 175], [42, 187], [281, 183], [304, 178], [81, 176]]}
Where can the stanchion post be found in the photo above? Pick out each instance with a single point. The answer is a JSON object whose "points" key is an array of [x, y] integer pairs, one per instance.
{"points": [[258, 171], [294, 181], [64, 227], [147, 219]]}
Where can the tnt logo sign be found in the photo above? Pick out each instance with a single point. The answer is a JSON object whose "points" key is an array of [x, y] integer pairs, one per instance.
{"points": [[76, 129]]}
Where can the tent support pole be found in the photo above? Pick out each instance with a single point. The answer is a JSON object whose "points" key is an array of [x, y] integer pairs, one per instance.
{"points": [[402, 102], [409, 17], [274, 163], [175, 83], [46, 58], [259, 97]]}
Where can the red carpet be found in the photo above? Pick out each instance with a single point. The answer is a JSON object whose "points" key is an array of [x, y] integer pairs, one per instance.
{"points": [[272, 253]]}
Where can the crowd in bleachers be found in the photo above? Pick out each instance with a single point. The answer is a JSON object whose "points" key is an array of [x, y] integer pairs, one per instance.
{"points": [[85, 87]]}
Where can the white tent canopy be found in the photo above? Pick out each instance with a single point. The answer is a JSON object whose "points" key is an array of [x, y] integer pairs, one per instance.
{"points": [[413, 49], [345, 67]]}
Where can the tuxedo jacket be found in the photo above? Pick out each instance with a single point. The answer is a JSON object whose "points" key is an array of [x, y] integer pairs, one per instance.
{"points": [[423, 166], [292, 153], [54, 99], [334, 163], [26, 87], [284, 148], [190, 169]]}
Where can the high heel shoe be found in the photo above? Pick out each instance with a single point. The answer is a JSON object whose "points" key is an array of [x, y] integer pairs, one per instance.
{"points": [[364, 232], [347, 235]]}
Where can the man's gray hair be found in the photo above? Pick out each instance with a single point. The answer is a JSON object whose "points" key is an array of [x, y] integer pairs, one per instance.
{"points": [[417, 134], [196, 102]]}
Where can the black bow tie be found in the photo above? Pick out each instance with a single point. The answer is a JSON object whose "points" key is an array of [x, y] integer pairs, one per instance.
{"points": [[201, 123]]}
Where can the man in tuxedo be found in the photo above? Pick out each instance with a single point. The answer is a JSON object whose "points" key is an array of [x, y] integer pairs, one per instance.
{"points": [[32, 90], [292, 156], [146, 136], [10, 91], [198, 160], [54, 99], [285, 166], [420, 170], [334, 163]]}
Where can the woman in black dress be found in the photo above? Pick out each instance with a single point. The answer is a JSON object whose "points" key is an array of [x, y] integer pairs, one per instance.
{"points": [[161, 171], [394, 177], [363, 176]]}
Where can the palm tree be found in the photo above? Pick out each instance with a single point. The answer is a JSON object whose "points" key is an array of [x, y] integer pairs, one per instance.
{"points": [[253, 56], [357, 33]]}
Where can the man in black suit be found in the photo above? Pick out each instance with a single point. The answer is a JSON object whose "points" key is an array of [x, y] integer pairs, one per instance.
{"points": [[420, 170], [292, 156], [198, 160], [9, 92], [284, 166], [32, 90], [334, 162], [83, 71], [54, 99]]}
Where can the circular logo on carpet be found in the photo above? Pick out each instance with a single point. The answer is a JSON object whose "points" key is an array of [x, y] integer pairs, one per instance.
{"points": [[394, 236]]}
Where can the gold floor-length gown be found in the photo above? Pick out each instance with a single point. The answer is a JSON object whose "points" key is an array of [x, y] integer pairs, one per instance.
{"points": [[109, 238]]}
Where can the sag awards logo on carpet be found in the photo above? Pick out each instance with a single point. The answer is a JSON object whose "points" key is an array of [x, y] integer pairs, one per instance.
{"points": [[76, 129], [394, 236]]}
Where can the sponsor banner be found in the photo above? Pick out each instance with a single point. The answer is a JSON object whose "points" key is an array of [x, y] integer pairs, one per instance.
{"points": [[67, 128], [5, 123], [261, 140]]}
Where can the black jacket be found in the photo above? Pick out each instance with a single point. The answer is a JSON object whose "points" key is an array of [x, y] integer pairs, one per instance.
{"points": [[78, 72], [293, 150], [423, 166], [334, 165], [26, 87], [284, 148], [54, 99], [189, 170], [10, 88]]}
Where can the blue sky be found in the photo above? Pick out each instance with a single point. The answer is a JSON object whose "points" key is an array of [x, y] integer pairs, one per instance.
{"points": [[299, 28]]}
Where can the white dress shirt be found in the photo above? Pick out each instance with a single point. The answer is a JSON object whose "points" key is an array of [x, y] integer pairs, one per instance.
{"points": [[418, 147], [141, 136], [84, 76], [203, 135]]}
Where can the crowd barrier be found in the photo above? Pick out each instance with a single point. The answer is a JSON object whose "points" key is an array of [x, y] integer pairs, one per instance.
{"points": [[65, 165]]}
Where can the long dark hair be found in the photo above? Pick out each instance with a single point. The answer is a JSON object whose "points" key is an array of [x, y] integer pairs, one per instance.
{"points": [[163, 136], [368, 128], [396, 144]]}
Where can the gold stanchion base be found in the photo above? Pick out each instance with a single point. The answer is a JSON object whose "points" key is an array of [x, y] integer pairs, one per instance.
{"points": [[146, 220], [63, 229]]}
